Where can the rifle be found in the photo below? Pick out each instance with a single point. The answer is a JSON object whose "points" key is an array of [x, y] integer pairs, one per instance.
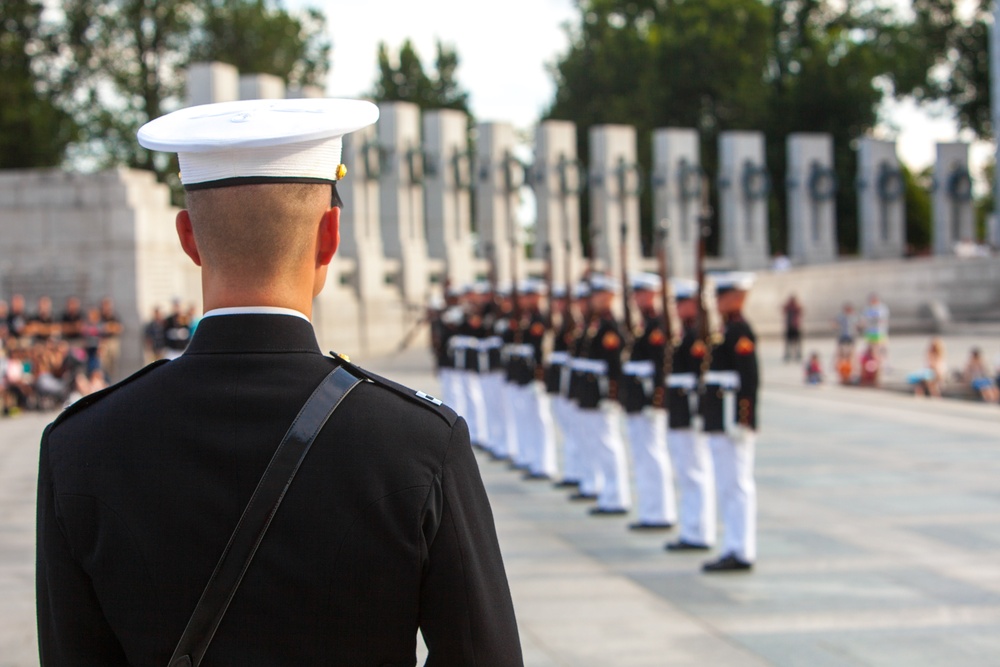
{"points": [[705, 215], [549, 285], [667, 303], [510, 186], [623, 193]]}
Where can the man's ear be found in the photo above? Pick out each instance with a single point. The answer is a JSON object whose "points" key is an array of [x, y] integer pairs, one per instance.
{"points": [[186, 235], [329, 237]]}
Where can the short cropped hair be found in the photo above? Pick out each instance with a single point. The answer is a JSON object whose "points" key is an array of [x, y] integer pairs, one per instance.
{"points": [[257, 231]]}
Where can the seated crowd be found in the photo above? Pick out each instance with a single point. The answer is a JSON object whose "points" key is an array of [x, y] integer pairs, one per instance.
{"points": [[47, 361]]}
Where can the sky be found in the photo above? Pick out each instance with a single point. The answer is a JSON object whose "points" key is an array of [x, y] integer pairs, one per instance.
{"points": [[505, 49]]}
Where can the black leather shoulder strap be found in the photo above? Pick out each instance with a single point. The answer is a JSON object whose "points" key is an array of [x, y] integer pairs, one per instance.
{"points": [[257, 516]]}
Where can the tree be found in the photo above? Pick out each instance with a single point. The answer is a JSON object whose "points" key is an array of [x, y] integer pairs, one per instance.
{"points": [[780, 66], [405, 80], [124, 60], [262, 38], [34, 132]]}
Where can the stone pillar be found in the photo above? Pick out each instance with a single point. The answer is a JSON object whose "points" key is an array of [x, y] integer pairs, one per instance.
{"points": [[499, 177], [615, 182], [881, 200], [677, 186], [447, 192], [360, 230], [261, 87], [812, 199], [402, 196], [212, 82], [558, 178], [744, 189], [952, 193]]}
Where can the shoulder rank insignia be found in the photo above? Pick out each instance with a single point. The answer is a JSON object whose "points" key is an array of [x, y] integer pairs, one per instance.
{"points": [[657, 337], [698, 349], [744, 346], [428, 397], [611, 341]]}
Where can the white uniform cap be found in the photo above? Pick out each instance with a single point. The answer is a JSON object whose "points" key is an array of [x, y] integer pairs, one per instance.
{"points": [[646, 281], [481, 287], [581, 290], [684, 288], [602, 283], [558, 291], [531, 286], [740, 281], [258, 141]]}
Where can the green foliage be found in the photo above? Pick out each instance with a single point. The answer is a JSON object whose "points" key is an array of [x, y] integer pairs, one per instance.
{"points": [[780, 66], [405, 80], [944, 56], [262, 38], [919, 228], [34, 132], [120, 63]]}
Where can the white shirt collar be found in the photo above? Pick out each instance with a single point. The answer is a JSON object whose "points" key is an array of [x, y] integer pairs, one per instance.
{"points": [[255, 310]]}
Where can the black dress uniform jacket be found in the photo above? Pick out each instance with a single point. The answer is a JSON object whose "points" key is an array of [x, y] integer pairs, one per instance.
{"points": [[562, 341], [634, 392], [737, 352], [688, 357], [387, 526], [603, 342]]}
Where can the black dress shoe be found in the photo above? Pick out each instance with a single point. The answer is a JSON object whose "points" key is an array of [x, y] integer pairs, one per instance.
{"points": [[583, 496], [533, 476], [643, 525], [607, 511], [682, 545], [728, 563], [567, 483], [523, 467], [499, 457]]}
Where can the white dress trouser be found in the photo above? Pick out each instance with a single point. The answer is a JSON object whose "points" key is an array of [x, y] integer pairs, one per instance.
{"points": [[654, 478], [601, 430], [536, 434], [518, 448], [452, 390], [475, 408], [562, 410], [733, 459], [696, 482], [495, 401]]}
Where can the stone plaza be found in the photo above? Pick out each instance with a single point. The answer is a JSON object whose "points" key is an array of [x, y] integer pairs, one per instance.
{"points": [[879, 539]]}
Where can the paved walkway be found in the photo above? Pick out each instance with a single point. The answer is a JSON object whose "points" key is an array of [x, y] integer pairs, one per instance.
{"points": [[879, 540]]}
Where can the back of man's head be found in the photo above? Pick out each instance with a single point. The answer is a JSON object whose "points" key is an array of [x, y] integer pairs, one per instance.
{"points": [[257, 232]]}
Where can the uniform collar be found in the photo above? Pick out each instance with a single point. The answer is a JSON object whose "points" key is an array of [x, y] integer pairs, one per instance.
{"points": [[255, 310], [253, 332]]}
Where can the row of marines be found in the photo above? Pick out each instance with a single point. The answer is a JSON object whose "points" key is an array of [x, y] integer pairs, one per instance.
{"points": [[515, 386]]}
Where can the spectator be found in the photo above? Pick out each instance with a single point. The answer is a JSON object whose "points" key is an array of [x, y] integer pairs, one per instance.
{"points": [[17, 317], [177, 331], [928, 380], [155, 336], [72, 320], [814, 369], [875, 320], [90, 331], [871, 367], [978, 376], [847, 327], [111, 331], [42, 324], [793, 329], [844, 364]]}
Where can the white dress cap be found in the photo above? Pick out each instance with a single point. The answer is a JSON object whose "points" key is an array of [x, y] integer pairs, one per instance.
{"points": [[734, 280], [646, 281], [258, 140], [683, 288]]}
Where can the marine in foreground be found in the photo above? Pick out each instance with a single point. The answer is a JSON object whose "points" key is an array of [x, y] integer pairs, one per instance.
{"points": [[386, 528]]}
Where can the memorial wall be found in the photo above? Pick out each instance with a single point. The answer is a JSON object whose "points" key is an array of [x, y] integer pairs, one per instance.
{"points": [[408, 229]]}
